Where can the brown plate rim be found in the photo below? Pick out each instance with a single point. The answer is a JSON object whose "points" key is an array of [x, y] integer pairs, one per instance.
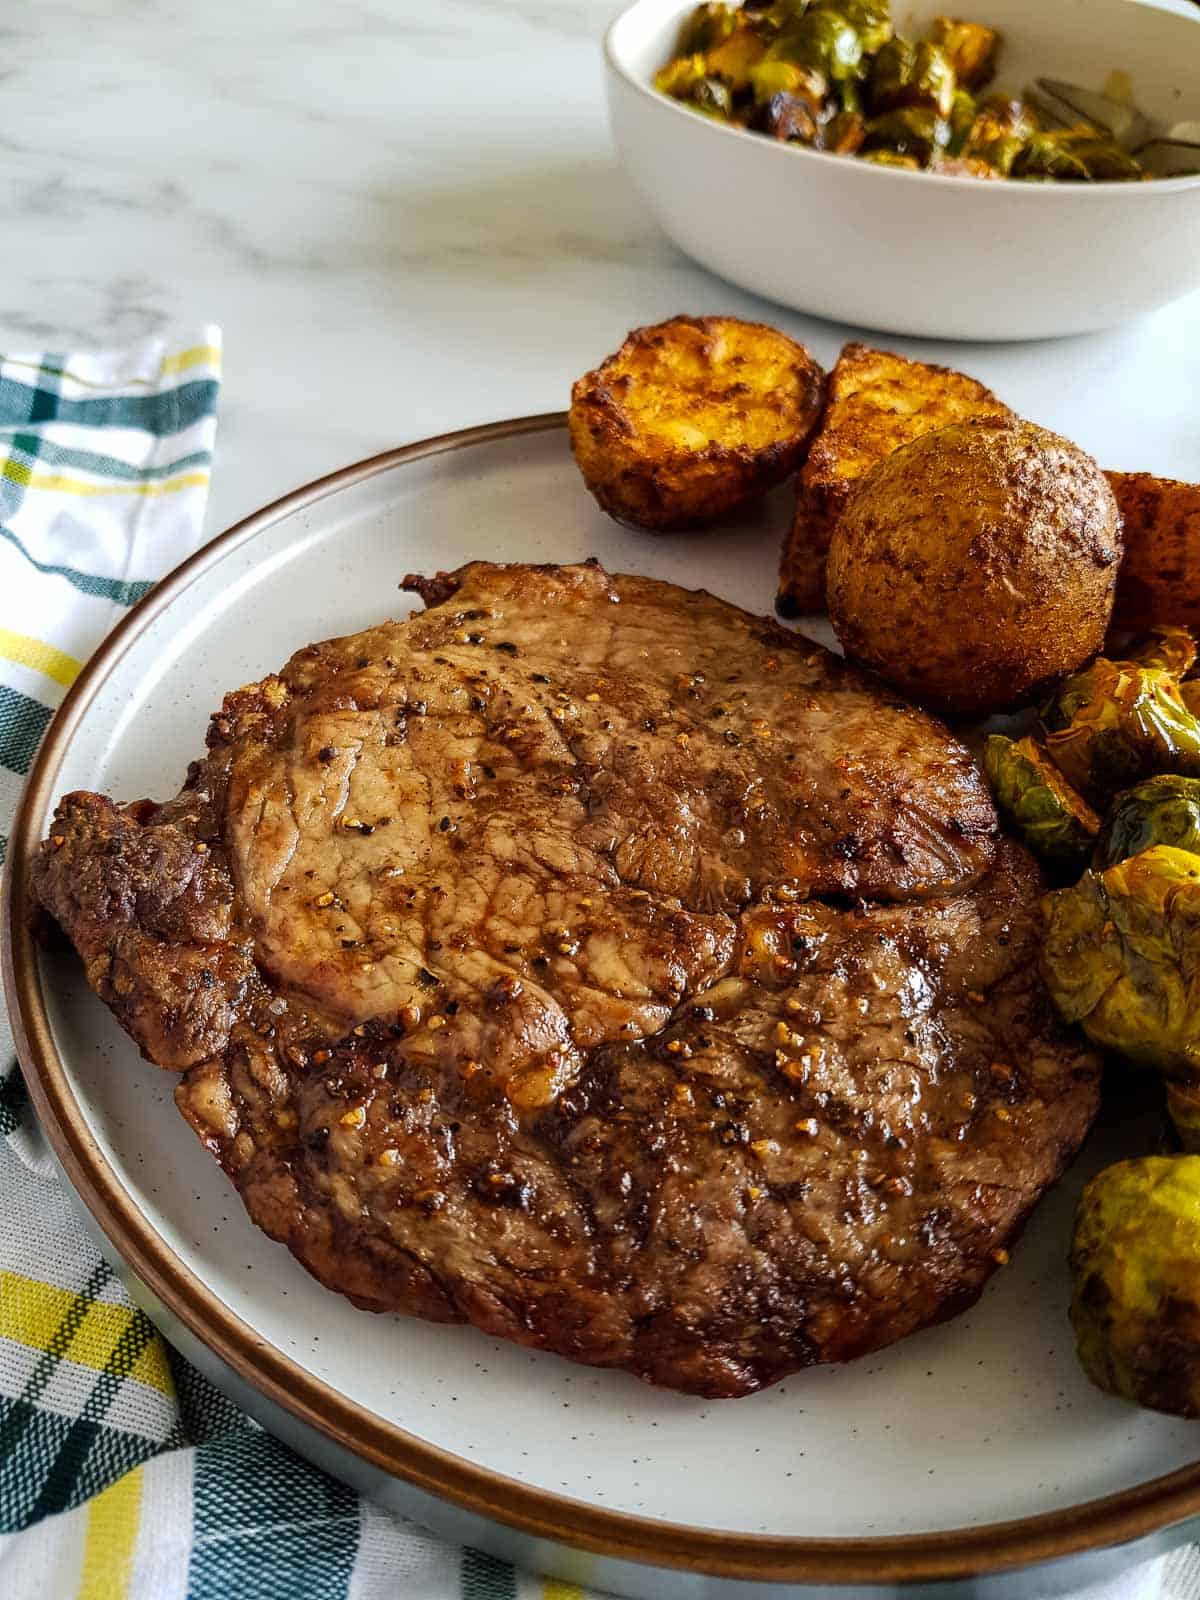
{"points": [[1120, 1518]]}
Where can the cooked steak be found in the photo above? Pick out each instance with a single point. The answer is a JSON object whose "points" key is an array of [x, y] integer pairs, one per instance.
{"points": [[596, 963]]}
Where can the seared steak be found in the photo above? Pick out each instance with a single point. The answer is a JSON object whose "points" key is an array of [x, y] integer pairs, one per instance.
{"points": [[594, 962]]}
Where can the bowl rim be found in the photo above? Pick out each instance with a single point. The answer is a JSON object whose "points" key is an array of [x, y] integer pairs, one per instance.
{"points": [[945, 1555], [788, 152]]}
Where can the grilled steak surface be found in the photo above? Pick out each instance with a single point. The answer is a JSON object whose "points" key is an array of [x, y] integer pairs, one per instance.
{"points": [[591, 961]]}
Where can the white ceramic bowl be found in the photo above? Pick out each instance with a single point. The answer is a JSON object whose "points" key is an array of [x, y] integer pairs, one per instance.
{"points": [[912, 252]]}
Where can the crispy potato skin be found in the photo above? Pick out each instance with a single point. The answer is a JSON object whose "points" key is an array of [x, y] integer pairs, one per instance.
{"points": [[691, 418], [976, 564], [875, 402], [1160, 576]]}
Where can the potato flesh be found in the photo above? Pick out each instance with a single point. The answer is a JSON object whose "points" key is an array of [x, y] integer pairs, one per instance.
{"points": [[733, 387]]}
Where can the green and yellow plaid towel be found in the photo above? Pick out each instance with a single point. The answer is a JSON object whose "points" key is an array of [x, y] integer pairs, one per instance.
{"points": [[124, 1475]]}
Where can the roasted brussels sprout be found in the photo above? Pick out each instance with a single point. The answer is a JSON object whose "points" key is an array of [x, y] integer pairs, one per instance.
{"points": [[788, 118], [1135, 1268], [915, 131], [1115, 723], [1075, 155], [734, 58], [970, 48], [843, 135], [769, 78], [1163, 810], [1171, 649], [908, 74], [706, 27], [1000, 131], [1057, 824], [843, 59], [1043, 158], [870, 19], [1121, 956]]}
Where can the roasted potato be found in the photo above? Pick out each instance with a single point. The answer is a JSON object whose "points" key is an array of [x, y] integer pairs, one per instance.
{"points": [[875, 402], [1160, 576], [976, 564], [692, 418], [1135, 1267]]}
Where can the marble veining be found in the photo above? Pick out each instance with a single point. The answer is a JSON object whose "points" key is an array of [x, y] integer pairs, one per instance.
{"points": [[407, 217]]}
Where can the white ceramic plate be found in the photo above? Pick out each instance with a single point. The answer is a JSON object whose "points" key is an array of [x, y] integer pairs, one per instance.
{"points": [[980, 1421]]}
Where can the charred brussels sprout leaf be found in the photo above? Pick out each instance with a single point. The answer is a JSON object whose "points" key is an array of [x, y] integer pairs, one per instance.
{"points": [[1169, 648], [705, 28], [1115, 723], [1135, 1269], [1121, 956], [1163, 810], [1057, 824], [969, 47]]}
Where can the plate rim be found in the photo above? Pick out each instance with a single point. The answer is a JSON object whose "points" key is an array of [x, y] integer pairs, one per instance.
{"points": [[1123, 1517]]}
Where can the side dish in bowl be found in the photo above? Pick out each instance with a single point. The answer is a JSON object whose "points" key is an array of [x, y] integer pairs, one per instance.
{"points": [[939, 252]]}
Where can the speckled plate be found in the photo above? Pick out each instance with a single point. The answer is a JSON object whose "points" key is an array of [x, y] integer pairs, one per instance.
{"points": [[974, 1448]]}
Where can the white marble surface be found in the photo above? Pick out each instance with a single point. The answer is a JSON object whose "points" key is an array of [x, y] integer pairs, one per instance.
{"points": [[406, 215]]}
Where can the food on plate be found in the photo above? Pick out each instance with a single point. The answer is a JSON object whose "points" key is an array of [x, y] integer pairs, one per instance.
{"points": [[875, 402], [975, 564], [1160, 576], [1165, 646], [692, 418], [1117, 722], [1135, 1265], [796, 70], [591, 961], [1121, 956], [1046, 814], [1162, 810]]}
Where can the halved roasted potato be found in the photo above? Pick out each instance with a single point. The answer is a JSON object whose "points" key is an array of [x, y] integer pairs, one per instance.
{"points": [[692, 418]]}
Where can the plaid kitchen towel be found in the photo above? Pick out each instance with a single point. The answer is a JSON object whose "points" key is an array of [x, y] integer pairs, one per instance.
{"points": [[122, 1472]]}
